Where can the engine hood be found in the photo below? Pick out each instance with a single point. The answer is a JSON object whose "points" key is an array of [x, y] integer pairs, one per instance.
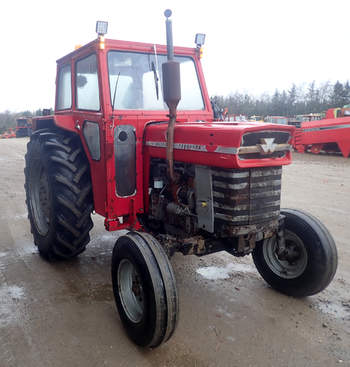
{"points": [[223, 144]]}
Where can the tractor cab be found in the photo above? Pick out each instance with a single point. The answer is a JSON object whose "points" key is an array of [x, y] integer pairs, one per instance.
{"points": [[111, 77]]}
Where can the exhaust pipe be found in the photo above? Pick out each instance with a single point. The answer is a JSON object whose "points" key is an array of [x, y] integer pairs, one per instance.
{"points": [[171, 92]]}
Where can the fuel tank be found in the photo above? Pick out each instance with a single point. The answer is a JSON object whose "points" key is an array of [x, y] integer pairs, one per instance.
{"points": [[223, 144]]}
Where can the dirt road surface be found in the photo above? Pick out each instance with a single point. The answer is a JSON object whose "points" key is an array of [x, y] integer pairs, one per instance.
{"points": [[63, 314]]}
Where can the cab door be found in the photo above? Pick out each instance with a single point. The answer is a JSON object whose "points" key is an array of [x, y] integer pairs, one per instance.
{"points": [[88, 113]]}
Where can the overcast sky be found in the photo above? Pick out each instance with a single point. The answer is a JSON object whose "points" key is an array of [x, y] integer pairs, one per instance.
{"points": [[251, 45]]}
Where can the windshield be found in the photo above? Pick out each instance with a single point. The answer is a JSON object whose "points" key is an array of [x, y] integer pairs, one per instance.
{"points": [[135, 81]]}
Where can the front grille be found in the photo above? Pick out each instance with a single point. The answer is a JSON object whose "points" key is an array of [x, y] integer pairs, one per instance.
{"points": [[247, 196], [255, 139]]}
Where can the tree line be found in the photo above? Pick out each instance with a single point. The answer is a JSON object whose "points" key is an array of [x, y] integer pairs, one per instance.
{"points": [[297, 100]]}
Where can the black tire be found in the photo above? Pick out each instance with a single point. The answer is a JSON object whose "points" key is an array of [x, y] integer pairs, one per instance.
{"points": [[144, 288], [58, 194], [315, 262]]}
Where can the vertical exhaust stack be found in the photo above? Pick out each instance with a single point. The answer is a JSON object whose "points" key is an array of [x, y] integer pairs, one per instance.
{"points": [[171, 92]]}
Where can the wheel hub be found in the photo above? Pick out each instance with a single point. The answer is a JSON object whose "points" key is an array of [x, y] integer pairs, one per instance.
{"points": [[288, 262], [290, 253], [131, 290]]}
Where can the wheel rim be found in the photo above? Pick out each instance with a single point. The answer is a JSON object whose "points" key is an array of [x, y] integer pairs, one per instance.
{"points": [[131, 291], [39, 199], [292, 263]]}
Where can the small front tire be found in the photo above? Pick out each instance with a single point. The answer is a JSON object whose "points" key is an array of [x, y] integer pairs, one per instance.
{"points": [[310, 259], [144, 289]]}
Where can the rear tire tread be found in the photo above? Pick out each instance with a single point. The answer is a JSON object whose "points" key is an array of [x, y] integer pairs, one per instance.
{"points": [[71, 201]]}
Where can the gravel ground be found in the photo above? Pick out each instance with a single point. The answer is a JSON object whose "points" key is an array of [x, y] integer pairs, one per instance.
{"points": [[64, 315]]}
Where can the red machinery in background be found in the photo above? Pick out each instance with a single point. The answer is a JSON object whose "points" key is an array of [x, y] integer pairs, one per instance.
{"points": [[23, 126], [8, 134], [331, 134]]}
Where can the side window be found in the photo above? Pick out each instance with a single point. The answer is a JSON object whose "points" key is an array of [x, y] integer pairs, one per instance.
{"points": [[64, 90], [87, 92]]}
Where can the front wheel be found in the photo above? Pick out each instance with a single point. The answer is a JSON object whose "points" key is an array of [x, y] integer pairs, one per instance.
{"points": [[144, 289], [307, 263]]}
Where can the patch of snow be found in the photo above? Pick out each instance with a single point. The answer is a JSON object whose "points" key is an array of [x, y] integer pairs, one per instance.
{"points": [[214, 273], [15, 292], [220, 273], [242, 268], [333, 309], [27, 249]]}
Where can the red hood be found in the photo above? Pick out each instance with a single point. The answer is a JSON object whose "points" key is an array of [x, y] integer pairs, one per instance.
{"points": [[214, 144]]}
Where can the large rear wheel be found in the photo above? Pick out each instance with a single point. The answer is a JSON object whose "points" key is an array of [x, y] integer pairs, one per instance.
{"points": [[144, 289], [308, 261], [58, 194]]}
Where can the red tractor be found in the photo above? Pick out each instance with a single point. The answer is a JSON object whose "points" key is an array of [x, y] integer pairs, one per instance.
{"points": [[329, 134], [133, 138]]}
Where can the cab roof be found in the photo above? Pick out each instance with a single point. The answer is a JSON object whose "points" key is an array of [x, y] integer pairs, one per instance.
{"points": [[110, 44]]}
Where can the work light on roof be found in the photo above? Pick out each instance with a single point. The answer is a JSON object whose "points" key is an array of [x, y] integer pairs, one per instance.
{"points": [[101, 27], [199, 40]]}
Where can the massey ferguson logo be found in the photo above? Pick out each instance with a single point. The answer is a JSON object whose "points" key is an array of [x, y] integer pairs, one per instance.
{"points": [[267, 146]]}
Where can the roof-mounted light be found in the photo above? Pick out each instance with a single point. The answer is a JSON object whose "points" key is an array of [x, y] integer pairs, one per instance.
{"points": [[101, 27], [200, 39]]}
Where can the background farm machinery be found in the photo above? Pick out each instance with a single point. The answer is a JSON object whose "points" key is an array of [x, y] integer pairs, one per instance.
{"points": [[328, 131], [329, 134], [8, 134], [23, 128]]}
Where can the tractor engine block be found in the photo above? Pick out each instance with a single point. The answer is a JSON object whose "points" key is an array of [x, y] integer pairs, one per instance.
{"points": [[239, 206], [173, 205]]}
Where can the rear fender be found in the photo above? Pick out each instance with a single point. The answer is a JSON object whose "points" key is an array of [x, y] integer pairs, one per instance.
{"points": [[65, 122], [97, 169]]}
